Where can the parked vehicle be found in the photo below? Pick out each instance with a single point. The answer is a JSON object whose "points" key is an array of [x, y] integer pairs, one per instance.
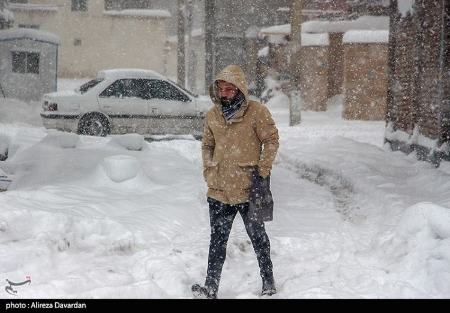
{"points": [[120, 101]]}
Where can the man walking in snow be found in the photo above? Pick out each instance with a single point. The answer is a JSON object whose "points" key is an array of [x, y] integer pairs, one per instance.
{"points": [[240, 142]]}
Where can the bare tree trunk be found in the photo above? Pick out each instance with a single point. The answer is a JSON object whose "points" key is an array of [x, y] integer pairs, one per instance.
{"points": [[181, 55], [391, 112], [209, 42], [294, 94], [296, 33]]}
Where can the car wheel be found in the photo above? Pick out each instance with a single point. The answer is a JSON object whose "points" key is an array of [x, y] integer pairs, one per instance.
{"points": [[94, 125]]}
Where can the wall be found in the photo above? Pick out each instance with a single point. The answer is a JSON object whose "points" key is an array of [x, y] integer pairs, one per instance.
{"points": [[336, 64], [106, 41], [314, 77], [365, 81]]}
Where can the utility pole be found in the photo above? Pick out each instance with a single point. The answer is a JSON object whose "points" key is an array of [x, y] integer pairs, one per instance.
{"points": [[295, 64], [296, 33], [190, 84], [209, 42], [181, 54]]}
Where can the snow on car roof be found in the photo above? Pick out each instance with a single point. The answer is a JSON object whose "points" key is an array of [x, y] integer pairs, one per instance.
{"points": [[129, 73]]}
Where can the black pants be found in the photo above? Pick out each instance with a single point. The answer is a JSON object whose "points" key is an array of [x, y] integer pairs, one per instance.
{"points": [[221, 219]]}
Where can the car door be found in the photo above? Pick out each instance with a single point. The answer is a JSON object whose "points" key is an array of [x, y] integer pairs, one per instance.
{"points": [[172, 111], [124, 102]]}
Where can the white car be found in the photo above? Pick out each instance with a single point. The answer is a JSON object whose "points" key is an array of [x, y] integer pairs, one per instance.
{"points": [[121, 101]]}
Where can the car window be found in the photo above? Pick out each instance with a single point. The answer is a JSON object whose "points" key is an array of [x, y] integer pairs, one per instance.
{"points": [[160, 89], [124, 88], [90, 84]]}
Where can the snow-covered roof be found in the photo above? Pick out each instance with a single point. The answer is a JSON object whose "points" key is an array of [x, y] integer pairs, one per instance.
{"points": [[28, 33], [129, 73], [33, 7], [276, 34], [138, 13], [366, 36], [283, 29], [315, 39], [361, 23]]}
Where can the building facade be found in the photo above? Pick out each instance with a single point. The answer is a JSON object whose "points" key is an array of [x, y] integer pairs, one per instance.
{"points": [[97, 35], [227, 24]]}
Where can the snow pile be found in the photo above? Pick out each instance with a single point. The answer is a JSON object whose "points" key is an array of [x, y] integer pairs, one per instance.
{"points": [[58, 232], [16, 111], [416, 138], [133, 142], [120, 167], [61, 139], [419, 248]]}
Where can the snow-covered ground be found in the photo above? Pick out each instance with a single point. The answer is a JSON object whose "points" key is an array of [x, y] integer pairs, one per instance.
{"points": [[119, 217]]}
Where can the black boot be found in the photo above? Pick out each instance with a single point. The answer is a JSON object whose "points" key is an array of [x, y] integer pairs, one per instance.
{"points": [[201, 292], [268, 287]]}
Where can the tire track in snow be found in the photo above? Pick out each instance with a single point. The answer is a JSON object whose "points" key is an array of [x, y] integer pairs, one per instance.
{"points": [[341, 189]]}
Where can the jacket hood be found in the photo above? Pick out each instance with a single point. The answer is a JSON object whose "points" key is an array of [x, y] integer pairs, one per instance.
{"points": [[232, 74]]}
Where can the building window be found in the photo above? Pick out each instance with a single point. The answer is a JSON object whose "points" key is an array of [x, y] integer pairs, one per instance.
{"points": [[112, 5], [25, 62], [32, 26], [77, 42], [79, 5]]}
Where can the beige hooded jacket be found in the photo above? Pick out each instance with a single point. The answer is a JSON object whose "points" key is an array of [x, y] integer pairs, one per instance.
{"points": [[231, 149]]}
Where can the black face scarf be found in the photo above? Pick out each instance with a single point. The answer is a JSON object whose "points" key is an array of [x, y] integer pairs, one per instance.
{"points": [[231, 106]]}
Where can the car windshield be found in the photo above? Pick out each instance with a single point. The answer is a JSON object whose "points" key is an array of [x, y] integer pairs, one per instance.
{"points": [[85, 87], [182, 88]]}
